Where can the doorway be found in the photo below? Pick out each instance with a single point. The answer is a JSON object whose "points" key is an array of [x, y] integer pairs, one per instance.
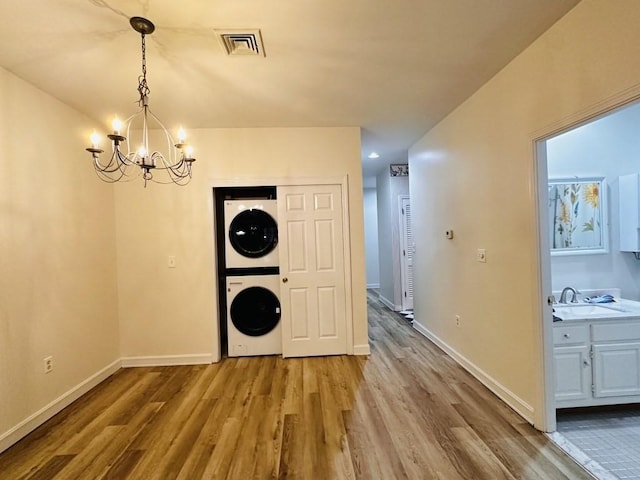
{"points": [[604, 148]]}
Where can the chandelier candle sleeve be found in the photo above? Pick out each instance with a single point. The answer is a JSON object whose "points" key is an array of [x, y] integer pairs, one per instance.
{"points": [[171, 166]]}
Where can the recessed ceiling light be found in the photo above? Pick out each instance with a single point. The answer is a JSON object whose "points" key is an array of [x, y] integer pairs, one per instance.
{"points": [[373, 155]]}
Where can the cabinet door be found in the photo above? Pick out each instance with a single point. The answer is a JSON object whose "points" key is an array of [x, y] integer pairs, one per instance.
{"points": [[616, 369], [312, 270], [573, 373]]}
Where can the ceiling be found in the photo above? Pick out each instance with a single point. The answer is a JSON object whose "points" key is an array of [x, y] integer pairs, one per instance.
{"points": [[393, 68]]}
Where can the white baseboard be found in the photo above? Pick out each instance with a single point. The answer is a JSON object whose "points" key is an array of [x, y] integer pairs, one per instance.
{"points": [[168, 360], [373, 285], [362, 349], [7, 439], [521, 407], [389, 304], [34, 421]]}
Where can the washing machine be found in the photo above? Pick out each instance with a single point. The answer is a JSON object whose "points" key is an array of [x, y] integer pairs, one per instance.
{"points": [[253, 315], [251, 233]]}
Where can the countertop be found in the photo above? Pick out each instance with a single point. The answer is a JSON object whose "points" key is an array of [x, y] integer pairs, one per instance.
{"points": [[619, 309]]}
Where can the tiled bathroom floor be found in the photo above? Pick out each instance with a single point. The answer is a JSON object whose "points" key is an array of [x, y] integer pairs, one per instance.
{"points": [[605, 441]]}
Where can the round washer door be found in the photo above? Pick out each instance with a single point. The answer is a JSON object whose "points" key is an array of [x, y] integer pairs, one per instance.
{"points": [[255, 311], [253, 233]]}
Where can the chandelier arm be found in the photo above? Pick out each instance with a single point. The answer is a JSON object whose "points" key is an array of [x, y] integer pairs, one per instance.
{"points": [[145, 129], [124, 159], [112, 166], [180, 174], [109, 179], [110, 176], [175, 180], [116, 170], [173, 160], [131, 153]]}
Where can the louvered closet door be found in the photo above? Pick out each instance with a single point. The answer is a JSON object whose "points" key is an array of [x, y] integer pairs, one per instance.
{"points": [[407, 254], [312, 270]]}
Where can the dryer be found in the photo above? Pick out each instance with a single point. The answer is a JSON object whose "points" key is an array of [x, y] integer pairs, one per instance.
{"points": [[253, 315], [251, 233]]}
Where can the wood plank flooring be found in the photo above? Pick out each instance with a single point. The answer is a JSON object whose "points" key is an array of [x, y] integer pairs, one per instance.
{"points": [[406, 412]]}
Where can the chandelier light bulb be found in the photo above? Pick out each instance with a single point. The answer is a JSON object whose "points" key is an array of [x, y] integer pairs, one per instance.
{"points": [[182, 135], [95, 139], [188, 151], [142, 152], [116, 124]]}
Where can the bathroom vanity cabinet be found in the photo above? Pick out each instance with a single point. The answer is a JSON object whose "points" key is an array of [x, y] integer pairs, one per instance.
{"points": [[597, 362]]}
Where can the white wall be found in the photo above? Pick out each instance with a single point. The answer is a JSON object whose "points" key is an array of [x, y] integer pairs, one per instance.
{"points": [[58, 259], [389, 189], [385, 263], [371, 237], [608, 147], [476, 171], [172, 313]]}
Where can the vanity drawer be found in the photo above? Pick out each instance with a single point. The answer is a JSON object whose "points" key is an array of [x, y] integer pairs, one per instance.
{"points": [[611, 332], [566, 335]]}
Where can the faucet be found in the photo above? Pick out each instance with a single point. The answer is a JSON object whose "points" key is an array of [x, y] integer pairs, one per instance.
{"points": [[563, 295]]}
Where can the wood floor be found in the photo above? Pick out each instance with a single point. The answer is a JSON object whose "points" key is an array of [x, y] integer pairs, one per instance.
{"points": [[407, 411]]}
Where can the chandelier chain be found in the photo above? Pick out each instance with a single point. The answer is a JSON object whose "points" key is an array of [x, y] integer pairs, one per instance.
{"points": [[143, 87]]}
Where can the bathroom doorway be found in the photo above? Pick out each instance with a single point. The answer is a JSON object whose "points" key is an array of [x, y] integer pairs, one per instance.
{"points": [[602, 148]]}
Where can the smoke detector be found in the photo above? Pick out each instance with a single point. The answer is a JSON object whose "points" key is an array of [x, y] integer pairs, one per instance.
{"points": [[241, 42]]}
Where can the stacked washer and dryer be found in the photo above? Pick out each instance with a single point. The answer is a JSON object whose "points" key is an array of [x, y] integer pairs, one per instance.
{"points": [[252, 277]]}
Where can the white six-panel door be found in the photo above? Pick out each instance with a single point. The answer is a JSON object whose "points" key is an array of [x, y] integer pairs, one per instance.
{"points": [[312, 270]]}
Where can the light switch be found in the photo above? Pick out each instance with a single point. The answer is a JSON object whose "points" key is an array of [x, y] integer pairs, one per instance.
{"points": [[481, 255], [171, 262]]}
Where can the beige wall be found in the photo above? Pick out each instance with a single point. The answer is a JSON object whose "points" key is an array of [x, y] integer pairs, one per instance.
{"points": [[173, 312], [474, 173], [57, 255]]}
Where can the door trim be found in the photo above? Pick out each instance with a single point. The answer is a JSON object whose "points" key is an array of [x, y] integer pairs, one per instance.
{"points": [[545, 417], [292, 181]]}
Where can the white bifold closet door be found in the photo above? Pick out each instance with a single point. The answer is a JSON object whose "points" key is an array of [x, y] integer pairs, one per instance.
{"points": [[312, 270], [406, 258]]}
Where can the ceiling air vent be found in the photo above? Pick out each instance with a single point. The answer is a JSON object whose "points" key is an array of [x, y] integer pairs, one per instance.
{"points": [[241, 42]]}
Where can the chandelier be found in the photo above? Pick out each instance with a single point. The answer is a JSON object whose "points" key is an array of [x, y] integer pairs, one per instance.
{"points": [[123, 165]]}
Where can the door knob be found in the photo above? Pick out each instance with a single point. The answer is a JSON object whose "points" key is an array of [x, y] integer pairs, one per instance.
{"points": [[285, 280]]}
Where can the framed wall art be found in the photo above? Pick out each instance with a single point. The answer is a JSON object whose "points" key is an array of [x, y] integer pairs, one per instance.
{"points": [[399, 170], [577, 216]]}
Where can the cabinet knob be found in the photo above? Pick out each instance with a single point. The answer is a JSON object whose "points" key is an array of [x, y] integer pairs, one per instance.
{"points": [[285, 280], [586, 363], [566, 335]]}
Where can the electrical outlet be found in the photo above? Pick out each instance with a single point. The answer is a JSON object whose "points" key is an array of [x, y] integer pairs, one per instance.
{"points": [[48, 364], [457, 320]]}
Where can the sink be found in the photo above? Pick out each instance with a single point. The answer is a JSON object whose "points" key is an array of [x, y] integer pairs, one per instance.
{"points": [[582, 310]]}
